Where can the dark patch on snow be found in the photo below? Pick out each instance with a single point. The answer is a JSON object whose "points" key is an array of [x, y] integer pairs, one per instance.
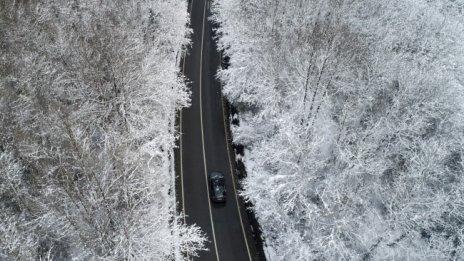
{"points": [[233, 110], [454, 162], [316, 199], [431, 128], [425, 235], [235, 122], [456, 241], [389, 176], [240, 169], [239, 149], [225, 61]]}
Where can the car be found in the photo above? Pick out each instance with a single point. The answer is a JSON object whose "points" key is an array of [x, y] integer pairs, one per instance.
{"points": [[217, 187]]}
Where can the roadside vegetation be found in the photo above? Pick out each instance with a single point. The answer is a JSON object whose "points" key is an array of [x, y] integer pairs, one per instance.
{"points": [[351, 114], [88, 96]]}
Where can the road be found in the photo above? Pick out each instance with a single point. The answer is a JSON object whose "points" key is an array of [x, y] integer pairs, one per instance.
{"points": [[203, 148]]}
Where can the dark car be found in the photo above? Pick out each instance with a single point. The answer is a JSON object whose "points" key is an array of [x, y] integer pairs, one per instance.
{"points": [[217, 187]]}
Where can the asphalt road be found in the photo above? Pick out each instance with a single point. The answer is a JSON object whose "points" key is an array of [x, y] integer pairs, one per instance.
{"points": [[203, 148]]}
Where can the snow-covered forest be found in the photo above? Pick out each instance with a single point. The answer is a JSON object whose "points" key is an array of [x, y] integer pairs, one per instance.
{"points": [[88, 96], [351, 113]]}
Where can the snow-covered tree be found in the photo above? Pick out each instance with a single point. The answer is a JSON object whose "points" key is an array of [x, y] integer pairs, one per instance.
{"points": [[351, 112], [88, 96]]}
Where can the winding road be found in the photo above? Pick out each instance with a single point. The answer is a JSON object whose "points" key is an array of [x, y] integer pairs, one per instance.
{"points": [[203, 148]]}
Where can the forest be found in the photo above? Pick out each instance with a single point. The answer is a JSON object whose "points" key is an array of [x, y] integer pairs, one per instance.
{"points": [[351, 113], [88, 96]]}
